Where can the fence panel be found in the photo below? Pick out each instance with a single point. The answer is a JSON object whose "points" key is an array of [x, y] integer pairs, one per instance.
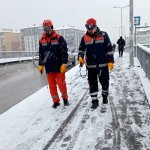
{"points": [[143, 54]]}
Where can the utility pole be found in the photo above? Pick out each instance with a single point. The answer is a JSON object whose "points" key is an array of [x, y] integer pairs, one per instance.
{"points": [[131, 57]]}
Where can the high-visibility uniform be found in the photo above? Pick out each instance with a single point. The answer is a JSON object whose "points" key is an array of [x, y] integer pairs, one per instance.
{"points": [[98, 52], [56, 48]]}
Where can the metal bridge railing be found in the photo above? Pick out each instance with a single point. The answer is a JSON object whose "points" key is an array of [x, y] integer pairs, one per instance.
{"points": [[13, 54], [143, 55], [22, 55]]}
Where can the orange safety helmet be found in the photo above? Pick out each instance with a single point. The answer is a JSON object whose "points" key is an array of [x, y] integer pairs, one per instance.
{"points": [[90, 24], [47, 25]]}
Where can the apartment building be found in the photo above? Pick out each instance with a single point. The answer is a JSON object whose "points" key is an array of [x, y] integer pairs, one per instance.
{"points": [[10, 40], [31, 36], [72, 36]]}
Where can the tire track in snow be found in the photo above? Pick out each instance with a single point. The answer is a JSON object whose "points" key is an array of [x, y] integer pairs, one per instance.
{"points": [[80, 127], [64, 124], [116, 126], [115, 123]]}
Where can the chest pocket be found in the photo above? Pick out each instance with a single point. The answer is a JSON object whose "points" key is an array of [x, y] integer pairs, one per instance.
{"points": [[44, 42], [54, 41], [99, 39], [88, 40]]}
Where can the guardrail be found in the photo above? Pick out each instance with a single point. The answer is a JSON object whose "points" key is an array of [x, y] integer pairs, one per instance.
{"points": [[14, 54], [143, 55], [17, 56]]}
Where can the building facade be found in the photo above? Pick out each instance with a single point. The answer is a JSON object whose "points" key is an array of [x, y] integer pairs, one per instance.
{"points": [[31, 36], [72, 37], [10, 40]]}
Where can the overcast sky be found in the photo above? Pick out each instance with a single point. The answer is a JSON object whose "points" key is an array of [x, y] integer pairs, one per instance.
{"points": [[18, 14]]}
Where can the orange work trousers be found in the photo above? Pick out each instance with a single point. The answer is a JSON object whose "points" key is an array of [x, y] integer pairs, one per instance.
{"points": [[55, 79]]}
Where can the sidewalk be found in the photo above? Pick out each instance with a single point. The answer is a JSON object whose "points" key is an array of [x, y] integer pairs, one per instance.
{"points": [[131, 106], [124, 126]]}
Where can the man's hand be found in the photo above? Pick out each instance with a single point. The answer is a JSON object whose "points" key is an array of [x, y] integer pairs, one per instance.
{"points": [[110, 66], [41, 69], [81, 61], [63, 68]]}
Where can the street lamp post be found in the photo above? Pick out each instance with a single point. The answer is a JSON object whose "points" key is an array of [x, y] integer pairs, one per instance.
{"points": [[131, 56], [121, 16]]}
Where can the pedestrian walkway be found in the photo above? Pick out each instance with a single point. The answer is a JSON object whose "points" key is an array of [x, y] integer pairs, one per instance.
{"points": [[124, 126], [130, 106]]}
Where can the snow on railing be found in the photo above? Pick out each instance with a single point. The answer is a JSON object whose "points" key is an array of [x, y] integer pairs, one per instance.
{"points": [[14, 54], [143, 55], [146, 49]]}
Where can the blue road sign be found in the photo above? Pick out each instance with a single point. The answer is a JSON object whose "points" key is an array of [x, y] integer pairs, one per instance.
{"points": [[137, 20]]}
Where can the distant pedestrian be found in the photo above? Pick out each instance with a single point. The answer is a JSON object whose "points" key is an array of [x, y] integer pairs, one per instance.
{"points": [[96, 48], [53, 54], [121, 44]]}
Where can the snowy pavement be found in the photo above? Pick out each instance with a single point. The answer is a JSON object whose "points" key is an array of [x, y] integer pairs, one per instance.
{"points": [[34, 125]]}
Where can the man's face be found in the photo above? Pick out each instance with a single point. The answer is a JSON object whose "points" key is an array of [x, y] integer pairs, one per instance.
{"points": [[48, 30], [91, 28], [91, 31]]}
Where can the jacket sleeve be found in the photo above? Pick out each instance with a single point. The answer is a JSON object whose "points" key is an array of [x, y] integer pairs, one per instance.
{"points": [[64, 50], [41, 55], [109, 50], [82, 48]]}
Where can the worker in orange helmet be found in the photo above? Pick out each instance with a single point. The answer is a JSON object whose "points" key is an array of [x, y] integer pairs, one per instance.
{"points": [[53, 54], [96, 45]]}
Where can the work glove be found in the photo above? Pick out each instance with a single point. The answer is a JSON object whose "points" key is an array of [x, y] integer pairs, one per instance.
{"points": [[81, 61], [63, 68], [110, 66], [41, 69]]}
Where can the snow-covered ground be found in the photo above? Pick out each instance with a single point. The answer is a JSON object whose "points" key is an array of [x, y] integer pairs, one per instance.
{"points": [[33, 124]]}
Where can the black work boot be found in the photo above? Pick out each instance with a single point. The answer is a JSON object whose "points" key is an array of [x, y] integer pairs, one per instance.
{"points": [[55, 105], [66, 103], [95, 104], [105, 99]]}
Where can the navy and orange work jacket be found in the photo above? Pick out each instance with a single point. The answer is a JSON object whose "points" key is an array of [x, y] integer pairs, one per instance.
{"points": [[97, 49], [56, 45]]}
